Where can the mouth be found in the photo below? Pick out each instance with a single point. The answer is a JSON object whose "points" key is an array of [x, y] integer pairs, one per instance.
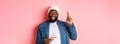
{"points": [[52, 18]]}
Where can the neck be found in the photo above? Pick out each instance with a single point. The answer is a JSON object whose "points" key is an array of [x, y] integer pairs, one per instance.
{"points": [[52, 21]]}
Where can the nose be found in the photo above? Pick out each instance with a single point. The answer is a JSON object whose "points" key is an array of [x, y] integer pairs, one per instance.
{"points": [[53, 14]]}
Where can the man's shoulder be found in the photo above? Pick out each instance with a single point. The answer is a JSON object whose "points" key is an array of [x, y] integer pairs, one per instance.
{"points": [[60, 21], [43, 24]]}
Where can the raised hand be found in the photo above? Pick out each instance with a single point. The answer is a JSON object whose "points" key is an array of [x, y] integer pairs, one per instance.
{"points": [[69, 19]]}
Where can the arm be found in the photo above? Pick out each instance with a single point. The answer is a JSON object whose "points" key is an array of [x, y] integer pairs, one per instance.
{"points": [[72, 32], [71, 27], [39, 39]]}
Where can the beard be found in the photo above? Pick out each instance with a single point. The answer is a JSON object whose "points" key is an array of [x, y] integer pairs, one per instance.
{"points": [[52, 18]]}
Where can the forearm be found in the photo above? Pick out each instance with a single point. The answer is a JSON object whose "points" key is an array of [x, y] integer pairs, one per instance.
{"points": [[72, 31]]}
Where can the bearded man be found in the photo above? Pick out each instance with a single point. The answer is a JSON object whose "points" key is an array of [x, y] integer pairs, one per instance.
{"points": [[54, 31]]}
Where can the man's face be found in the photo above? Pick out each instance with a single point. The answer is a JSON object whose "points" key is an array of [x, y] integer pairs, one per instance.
{"points": [[53, 15]]}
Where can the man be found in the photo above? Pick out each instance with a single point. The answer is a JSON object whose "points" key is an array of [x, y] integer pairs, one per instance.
{"points": [[54, 31]]}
